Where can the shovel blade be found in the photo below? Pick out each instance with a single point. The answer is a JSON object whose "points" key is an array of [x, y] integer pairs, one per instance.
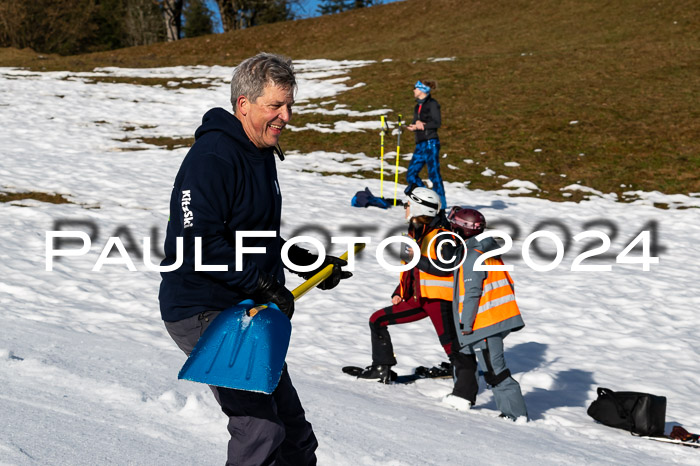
{"points": [[241, 352]]}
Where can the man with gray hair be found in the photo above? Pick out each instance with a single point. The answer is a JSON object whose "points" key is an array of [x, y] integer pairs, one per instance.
{"points": [[228, 183]]}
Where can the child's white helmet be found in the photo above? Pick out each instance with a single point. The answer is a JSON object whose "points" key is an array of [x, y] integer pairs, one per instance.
{"points": [[424, 201]]}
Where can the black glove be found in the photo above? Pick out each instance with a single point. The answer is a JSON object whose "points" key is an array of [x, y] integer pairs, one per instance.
{"points": [[270, 290], [406, 253], [301, 256], [336, 275]]}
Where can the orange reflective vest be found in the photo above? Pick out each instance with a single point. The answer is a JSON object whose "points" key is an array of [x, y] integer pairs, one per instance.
{"points": [[497, 311], [434, 286], [430, 286]]}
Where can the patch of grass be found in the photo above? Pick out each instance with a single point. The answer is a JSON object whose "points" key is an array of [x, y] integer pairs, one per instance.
{"points": [[42, 197], [625, 72], [162, 141], [24, 58], [576, 196], [172, 83], [134, 128], [168, 142]]}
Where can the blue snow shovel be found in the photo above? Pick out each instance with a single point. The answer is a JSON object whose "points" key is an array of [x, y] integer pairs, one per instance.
{"points": [[246, 345]]}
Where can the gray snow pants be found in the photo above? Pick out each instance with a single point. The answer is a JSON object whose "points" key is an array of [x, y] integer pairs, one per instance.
{"points": [[506, 391], [265, 429]]}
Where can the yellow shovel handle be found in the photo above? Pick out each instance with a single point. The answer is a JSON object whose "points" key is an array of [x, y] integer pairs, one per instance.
{"points": [[311, 283]]}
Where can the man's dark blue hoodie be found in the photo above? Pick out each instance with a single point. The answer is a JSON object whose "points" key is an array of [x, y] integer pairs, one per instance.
{"points": [[225, 185]]}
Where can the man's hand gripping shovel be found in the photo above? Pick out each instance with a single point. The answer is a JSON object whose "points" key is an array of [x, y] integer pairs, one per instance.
{"points": [[245, 346]]}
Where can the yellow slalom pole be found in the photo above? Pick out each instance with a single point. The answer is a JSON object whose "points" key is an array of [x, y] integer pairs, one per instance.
{"points": [[381, 160], [398, 152], [311, 283]]}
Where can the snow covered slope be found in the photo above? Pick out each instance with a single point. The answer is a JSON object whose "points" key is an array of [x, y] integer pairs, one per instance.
{"points": [[88, 373]]}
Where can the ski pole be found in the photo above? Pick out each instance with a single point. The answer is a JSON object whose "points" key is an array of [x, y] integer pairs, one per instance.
{"points": [[381, 160], [398, 151]]}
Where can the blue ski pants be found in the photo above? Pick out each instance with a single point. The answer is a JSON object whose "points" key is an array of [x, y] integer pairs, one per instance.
{"points": [[265, 429], [427, 153], [506, 390]]}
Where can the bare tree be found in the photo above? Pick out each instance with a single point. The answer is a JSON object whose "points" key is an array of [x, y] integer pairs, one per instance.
{"points": [[143, 24], [241, 14], [54, 26], [172, 14], [228, 9]]}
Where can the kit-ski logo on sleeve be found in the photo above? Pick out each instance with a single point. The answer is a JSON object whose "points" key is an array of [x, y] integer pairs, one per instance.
{"points": [[188, 216]]}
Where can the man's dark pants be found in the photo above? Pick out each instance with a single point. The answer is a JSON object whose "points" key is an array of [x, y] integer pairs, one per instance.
{"points": [[265, 429]]}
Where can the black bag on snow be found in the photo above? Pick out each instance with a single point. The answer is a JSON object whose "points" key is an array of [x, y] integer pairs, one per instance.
{"points": [[638, 413]]}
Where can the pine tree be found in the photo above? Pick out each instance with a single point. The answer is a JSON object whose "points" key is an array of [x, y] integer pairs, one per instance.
{"points": [[271, 11], [241, 14], [198, 19], [328, 7], [108, 17]]}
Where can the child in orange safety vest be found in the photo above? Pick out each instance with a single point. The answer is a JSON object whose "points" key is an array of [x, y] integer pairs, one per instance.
{"points": [[423, 291], [484, 313]]}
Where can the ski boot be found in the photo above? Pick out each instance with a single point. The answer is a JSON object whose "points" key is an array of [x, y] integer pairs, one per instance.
{"points": [[382, 372], [514, 419]]}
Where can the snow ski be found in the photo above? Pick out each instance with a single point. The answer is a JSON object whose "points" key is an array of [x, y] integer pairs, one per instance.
{"points": [[679, 436], [444, 370]]}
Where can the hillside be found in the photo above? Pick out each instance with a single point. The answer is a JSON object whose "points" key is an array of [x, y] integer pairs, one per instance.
{"points": [[600, 93], [89, 373]]}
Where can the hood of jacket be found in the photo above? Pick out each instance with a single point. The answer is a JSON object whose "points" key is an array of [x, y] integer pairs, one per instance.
{"points": [[485, 245], [218, 120]]}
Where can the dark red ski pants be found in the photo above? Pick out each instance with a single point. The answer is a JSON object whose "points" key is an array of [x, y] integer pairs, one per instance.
{"points": [[439, 311]]}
